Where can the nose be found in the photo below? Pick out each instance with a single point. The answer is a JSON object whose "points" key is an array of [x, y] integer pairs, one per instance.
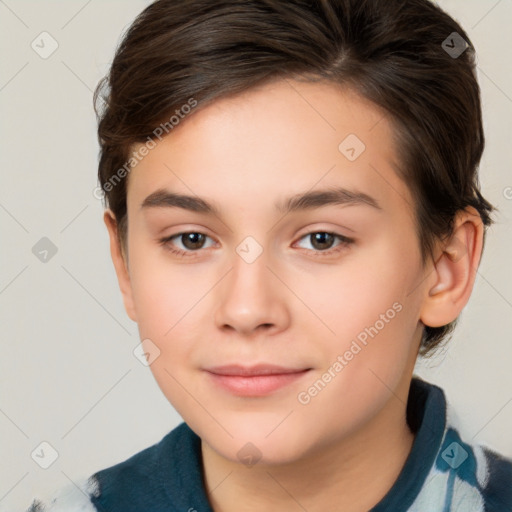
{"points": [[251, 299]]}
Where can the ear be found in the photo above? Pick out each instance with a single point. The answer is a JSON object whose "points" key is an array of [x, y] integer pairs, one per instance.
{"points": [[120, 261], [451, 282]]}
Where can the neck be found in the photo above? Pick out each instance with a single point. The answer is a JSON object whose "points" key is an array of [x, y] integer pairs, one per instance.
{"points": [[351, 474]]}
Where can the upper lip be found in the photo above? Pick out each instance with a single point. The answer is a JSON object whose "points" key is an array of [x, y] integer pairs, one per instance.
{"points": [[259, 369]]}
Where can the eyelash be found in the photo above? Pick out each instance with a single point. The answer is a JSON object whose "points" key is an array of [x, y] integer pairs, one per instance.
{"points": [[345, 242]]}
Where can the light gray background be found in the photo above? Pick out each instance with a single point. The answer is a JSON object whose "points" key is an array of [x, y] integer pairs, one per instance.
{"points": [[68, 374]]}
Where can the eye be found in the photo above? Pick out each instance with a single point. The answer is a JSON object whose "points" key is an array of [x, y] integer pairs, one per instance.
{"points": [[191, 240], [322, 242]]}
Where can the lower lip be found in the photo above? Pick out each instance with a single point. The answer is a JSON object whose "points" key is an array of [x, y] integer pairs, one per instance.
{"points": [[256, 385]]}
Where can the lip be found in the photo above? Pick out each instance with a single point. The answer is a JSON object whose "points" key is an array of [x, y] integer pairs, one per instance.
{"points": [[258, 380]]}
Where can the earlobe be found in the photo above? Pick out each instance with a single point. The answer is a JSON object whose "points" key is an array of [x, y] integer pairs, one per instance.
{"points": [[449, 287], [120, 263]]}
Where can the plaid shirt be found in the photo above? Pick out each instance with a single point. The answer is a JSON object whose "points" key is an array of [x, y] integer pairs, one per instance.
{"points": [[442, 473]]}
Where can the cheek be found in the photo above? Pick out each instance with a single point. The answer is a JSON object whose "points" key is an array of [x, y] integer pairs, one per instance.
{"points": [[351, 295], [167, 302], [369, 353], [367, 306], [162, 291]]}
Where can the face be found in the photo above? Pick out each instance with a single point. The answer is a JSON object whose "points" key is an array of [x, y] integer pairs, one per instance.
{"points": [[321, 290]]}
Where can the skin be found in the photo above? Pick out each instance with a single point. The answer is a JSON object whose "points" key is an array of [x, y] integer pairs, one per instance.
{"points": [[344, 449]]}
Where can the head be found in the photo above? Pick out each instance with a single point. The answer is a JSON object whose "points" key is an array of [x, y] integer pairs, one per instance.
{"points": [[244, 106]]}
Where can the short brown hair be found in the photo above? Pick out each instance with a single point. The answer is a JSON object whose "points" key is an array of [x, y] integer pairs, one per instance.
{"points": [[393, 52]]}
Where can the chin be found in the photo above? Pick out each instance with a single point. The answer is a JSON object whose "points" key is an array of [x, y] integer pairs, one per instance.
{"points": [[259, 454], [257, 443]]}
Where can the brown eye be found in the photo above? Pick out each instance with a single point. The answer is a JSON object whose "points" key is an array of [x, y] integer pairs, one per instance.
{"points": [[191, 243], [192, 240], [322, 240]]}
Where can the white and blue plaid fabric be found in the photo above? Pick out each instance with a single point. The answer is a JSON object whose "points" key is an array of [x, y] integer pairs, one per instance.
{"points": [[443, 472]]}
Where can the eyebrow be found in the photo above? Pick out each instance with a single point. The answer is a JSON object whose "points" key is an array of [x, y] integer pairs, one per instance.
{"points": [[163, 198]]}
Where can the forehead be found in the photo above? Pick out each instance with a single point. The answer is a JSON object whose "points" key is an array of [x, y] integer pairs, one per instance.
{"points": [[277, 140]]}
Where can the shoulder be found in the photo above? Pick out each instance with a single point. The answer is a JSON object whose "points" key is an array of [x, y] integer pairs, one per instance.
{"points": [[463, 475], [142, 466], [164, 476], [74, 497], [121, 486], [477, 462], [473, 475], [497, 486]]}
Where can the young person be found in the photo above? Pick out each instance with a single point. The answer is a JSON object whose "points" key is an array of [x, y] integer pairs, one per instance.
{"points": [[294, 216]]}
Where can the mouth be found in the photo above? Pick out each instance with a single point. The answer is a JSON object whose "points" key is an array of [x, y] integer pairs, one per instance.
{"points": [[258, 380]]}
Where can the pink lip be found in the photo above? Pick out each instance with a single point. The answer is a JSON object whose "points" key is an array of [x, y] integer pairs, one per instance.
{"points": [[256, 380]]}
